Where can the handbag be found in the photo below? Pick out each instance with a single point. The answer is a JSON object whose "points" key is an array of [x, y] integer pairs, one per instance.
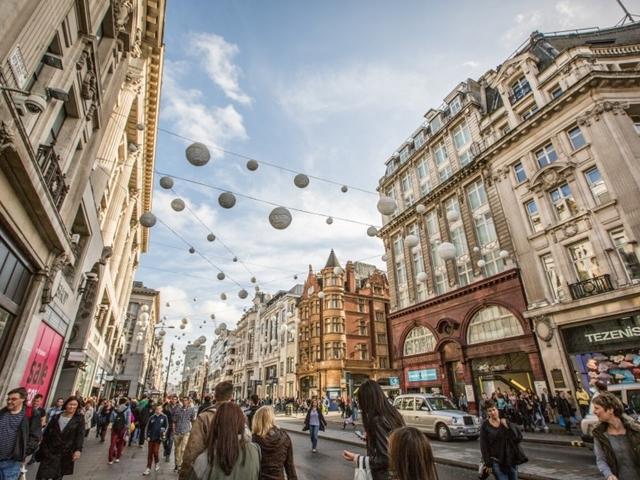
{"points": [[483, 471], [363, 471]]}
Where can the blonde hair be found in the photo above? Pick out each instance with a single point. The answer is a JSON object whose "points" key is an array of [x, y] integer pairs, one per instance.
{"points": [[263, 421]]}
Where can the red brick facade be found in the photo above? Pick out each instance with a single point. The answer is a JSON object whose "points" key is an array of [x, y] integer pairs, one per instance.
{"points": [[447, 317]]}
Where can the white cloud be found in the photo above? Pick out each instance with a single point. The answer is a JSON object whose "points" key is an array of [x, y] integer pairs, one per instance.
{"points": [[471, 64], [217, 60]]}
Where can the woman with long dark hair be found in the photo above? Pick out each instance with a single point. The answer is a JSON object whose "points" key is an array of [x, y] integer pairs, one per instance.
{"points": [[410, 455], [230, 454], [314, 422], [62, 441], [379, 418]]}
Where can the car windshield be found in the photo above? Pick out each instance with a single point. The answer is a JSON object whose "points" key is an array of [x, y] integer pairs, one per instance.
{"points": [[441, 403]]}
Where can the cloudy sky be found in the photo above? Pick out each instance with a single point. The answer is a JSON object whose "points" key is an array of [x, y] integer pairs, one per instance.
{"points": [[328, 88]]}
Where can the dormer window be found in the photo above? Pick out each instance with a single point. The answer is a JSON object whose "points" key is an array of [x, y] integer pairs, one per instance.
{"points": [[419, 139], [519, 89], [404, 154], [455, 106], [435, 124]]}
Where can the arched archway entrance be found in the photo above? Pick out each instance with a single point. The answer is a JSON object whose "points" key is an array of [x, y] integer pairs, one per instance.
{"points": [[453, 367]]}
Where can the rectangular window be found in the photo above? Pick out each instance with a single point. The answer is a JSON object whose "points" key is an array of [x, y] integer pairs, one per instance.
{"points": [[407, 189], [529, 111], [477, 195], [519, 89], [363, 329], [442, 162], [597, 186], [363, 351], [563, 202], [519, 172], [583, 258], [381, 338], [576, 138], [546, 155], [636, 123], [455, 106], [383, 362], [418, 140], [418, 265], [398, 246], [404, 154], [484, 227], [459, 240], [627, 254], [435, 125], [553, 279], [423, 176], [534, 216], [437, 264], [462, 142], [556, 92]]}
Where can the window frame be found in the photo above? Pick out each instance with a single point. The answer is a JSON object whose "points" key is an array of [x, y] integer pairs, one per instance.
{"points": [[580, 136], [522, 170], [548, 153]]}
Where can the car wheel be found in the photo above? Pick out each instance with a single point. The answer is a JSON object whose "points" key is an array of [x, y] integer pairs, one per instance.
{"points": [[444, 435], [473, 438]]}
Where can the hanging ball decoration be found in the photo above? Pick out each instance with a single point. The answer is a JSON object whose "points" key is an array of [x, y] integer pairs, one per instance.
{"points": [[221, 276], [198, 154], [411, 240], [192, 250], [144, 308], [446, 251], [384, 257], [168, 304], [274, 342], [183, 326], [132, 147], [295, 277], [148, 219], [421, 277], [372, 231], [387, 205], [140, 126], [481, 263], [177, 204], [213, 316], [252, 165], [143, 317], [166, 182], [223, 326], [476, 249], [162, 333], [503, 254], [227, 200], [202, 339], [280, 218], [329, 220], [223, 296], [253, 280], [301, 180], [453, 216], [243, 294], [421, 209], [185, 320], [211, 237], [257, 288], [344, 189], [195, 299], [320, 294], [235, 259]]}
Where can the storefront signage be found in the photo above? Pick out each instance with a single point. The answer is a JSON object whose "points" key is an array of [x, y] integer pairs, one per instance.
{"points": [[603, 335], [426, 375], [394, 381], [42, 362]]}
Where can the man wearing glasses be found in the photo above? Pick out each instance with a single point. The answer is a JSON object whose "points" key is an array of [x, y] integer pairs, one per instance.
{"points": [[19, 434]]}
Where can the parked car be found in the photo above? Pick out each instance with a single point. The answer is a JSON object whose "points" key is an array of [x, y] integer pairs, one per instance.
{"points": [[436, 415], [629, 393]]}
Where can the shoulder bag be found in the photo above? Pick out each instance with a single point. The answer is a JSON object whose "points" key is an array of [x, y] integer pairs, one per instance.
{"points": [[363, 471]]}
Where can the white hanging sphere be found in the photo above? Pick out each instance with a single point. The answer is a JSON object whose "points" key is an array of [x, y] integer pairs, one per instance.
{"points": [[416, 249], [329, 220], [195, 299], [274, 342], [476, 249], [223, 296], [177, 204], [481, 263], [280, 218], [372, 231], [421, 277], [221, 275], [387, 205], [183, 326], [223, 327], [243, 294], [148, 219], [198, 154], [168, 304], [321, 295], [166, 183], [411, 240], [217, 331], [213, 316], [421, 209], [162, 333], [202, 339], [295, 277], [384, 257], [253, 280], [144, 308], [252, 165], [453, 216], [289, 314], [211, 237], [132, 147], [143, 317], [503, 254], [446, 251], [235, 259], [301, 180], [337, 270], [257, 288], [140, 126], [344, 189], [185, 320], [192, 250], [227, 200]]}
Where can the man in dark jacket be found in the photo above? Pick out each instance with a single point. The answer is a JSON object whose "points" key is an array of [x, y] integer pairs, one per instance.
{"points": [[204, 405], [145, 410], [19, 434], [156, 429], [167, 443], [564, 410], [255, 405]]}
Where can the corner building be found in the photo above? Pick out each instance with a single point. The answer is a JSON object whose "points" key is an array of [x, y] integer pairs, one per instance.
{"points": [[343, 335]]}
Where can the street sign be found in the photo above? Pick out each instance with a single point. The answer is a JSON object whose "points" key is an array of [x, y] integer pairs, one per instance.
{"points": [[394, 381]]}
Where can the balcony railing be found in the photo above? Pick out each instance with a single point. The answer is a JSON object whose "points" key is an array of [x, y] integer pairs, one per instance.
{"points": [[49, 163], [591, 286]]}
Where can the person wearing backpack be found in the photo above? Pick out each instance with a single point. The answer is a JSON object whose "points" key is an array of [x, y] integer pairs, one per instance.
{"points": [[120, 421]]}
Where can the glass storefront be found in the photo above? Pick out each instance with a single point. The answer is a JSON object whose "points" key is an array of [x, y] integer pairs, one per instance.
{"points": [[606, 350], [511, 371]]}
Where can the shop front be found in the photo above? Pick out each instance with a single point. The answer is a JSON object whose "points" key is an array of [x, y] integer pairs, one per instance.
{"points": [[605, 350], [510, 371], [42, 362]]}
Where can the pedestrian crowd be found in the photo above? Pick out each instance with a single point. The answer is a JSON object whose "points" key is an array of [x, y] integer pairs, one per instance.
{"points": [[222, 439]]}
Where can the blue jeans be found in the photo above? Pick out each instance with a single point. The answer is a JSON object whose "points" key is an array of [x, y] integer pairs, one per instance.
{"points": [[509, 473], [313, 430], [9, 470]]}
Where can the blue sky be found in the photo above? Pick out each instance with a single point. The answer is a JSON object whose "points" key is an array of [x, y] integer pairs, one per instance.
{"points": [[328, 88]]}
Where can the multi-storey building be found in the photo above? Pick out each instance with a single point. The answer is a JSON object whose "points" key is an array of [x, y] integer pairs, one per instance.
{"points": [[247, 369], [222, 357], [342, 335], [455, 291], [192, 373], [79, 94], [561, 139], [141, 367]]}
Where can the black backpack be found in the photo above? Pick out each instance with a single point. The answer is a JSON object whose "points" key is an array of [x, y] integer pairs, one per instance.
{"points": [[120, 421]]}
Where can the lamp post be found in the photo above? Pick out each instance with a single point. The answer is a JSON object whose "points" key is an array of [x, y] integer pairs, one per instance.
{"points": [[166, 378]]}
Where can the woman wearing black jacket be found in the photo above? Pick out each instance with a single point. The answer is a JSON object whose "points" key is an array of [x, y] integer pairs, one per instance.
{"points": [[379, 418], [62, 441], [314, 422], [499, 445]]}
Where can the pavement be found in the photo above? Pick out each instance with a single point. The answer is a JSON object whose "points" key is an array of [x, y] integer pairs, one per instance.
{"points": [[546, 461]]}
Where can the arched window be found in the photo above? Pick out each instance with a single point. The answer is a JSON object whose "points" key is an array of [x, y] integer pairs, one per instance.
{"points": [[419, 340], [493, 323]]}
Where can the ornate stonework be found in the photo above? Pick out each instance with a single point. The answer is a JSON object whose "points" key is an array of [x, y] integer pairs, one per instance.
{"points": [[594, 114], [7, 135]]}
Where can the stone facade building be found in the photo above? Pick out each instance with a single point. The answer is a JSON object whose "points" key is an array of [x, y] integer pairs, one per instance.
{"points": [[562, 144], [79, 96], [342, 335]]}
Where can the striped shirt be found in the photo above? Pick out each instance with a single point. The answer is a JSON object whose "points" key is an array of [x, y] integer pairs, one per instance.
{"points": [[182, 418], [9, 425]]}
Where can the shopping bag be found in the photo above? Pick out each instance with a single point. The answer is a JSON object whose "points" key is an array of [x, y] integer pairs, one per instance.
{"points": [[561, 421], [363, 471]]}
